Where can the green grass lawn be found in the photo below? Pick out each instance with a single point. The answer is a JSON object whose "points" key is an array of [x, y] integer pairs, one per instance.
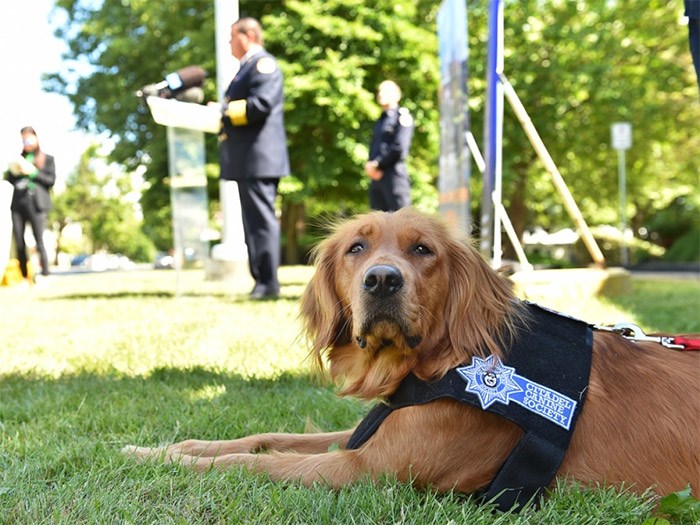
{"points": [[97, 361]]}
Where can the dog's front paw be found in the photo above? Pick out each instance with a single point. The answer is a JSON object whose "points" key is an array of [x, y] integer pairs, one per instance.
{"points": [[166, 455], [143, 453]]}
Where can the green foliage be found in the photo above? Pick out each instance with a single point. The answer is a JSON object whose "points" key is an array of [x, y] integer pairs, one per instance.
{"points": [[118, 47], [686, 248], [577, 66], [334, 54], [99, 203], [677, 227], [676, 507]]}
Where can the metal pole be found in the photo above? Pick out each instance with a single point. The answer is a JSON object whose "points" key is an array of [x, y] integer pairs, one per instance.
{"points": [[559, 184], [493, 133], [498, 174], [503, 214], [225, 14], [622, 188], [232, 247]]}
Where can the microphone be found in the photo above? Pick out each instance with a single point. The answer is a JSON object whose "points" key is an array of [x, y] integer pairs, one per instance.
{"points": [[184, 85]]}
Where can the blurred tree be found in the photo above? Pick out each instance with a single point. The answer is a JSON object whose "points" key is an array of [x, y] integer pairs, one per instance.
{"points": [[103, 204], [114, 49], [677, 227], [577, 65], [334, 54]]}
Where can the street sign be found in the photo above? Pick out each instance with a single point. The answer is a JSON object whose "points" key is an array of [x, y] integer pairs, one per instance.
{"points": [[621, 135], [621, 138]]}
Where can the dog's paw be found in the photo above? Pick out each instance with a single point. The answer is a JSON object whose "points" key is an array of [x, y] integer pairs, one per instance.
{"points": [[142, 453]]}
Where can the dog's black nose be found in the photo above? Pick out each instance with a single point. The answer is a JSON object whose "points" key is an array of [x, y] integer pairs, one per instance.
{"points": [[382, 280]]}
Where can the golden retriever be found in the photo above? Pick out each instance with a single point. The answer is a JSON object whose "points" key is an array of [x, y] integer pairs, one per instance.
{"points": [[400, 293]]}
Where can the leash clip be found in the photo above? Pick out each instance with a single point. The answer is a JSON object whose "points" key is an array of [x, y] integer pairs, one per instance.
{"points": [[635, 333]]}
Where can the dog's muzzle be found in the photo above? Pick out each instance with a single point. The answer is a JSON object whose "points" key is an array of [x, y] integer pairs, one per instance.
{"points": [[381, 287], [382, 281]]}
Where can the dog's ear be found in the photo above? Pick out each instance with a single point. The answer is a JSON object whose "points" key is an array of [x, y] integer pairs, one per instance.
{"points": [[321, 310], [480, 304]]}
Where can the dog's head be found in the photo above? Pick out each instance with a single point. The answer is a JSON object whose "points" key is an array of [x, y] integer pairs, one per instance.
{"points": [[400, 292]]}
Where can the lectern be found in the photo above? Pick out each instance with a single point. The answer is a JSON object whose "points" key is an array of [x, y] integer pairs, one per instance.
{"points": [[186, 124]]}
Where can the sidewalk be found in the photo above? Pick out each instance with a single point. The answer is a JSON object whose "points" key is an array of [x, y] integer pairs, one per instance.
{"points": [[651, 274]]}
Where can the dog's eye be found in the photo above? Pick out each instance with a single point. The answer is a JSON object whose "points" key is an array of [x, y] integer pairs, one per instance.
{"points": [[357, 247], [422, 249]]}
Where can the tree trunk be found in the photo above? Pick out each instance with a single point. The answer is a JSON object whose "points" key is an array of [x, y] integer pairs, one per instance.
{"points": [[292, 227], [59, 238], [517, 212]]}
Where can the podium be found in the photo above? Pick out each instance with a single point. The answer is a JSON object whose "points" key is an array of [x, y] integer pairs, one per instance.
{"points": [[186, 124]]}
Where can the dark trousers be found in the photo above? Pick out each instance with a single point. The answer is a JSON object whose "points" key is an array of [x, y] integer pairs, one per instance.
{"points": [[262, 231], [25, 211], [390, 193]]}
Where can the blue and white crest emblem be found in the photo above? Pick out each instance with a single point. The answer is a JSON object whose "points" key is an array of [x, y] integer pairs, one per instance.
{"points": [[491, 381]]}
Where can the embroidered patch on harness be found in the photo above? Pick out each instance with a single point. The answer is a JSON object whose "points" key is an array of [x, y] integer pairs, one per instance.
{"points": [[492, 381]]}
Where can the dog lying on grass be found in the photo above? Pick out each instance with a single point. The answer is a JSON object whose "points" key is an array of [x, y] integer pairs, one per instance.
{"points": [[400, 306]]}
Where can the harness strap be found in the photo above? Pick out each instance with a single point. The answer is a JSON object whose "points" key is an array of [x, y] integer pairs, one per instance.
{"points": [[556, 348], [525, 475], [527, 471], [369, 425]]}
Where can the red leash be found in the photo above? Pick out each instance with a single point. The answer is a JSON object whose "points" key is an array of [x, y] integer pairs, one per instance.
{"points": [[634, 333], [687, 343]]}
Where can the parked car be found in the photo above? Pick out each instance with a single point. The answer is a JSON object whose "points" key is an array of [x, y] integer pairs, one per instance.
{"points": [[80, 260], [164, 261], [100, 262]]}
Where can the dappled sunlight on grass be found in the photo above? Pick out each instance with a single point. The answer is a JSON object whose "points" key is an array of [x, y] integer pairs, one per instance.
{"points": [[132, 323], [208, 392], [657, 305]]}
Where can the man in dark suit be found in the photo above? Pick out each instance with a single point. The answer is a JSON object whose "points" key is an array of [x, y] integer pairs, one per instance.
{"points": [[391, 141], [254, 150], [32, 175]]}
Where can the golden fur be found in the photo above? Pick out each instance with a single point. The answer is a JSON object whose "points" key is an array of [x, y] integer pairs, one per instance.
{"points": [[640, 425]]}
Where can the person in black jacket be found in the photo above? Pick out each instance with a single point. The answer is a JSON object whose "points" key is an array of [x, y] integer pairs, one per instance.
{"points": [[33, 175], [253, 150], [391, 140]]}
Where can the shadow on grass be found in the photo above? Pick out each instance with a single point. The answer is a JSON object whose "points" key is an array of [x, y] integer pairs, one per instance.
{"points": [[162, 295], [285, 298], [108, 295], [168, 405], [289, 282]]}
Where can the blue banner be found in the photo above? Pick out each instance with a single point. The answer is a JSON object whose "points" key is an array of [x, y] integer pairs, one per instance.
{"points": [[455, 167]]}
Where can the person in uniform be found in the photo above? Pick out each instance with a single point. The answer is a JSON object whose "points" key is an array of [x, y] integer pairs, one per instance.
{"points": [[33, 175], [391, 141], [253, 150]]}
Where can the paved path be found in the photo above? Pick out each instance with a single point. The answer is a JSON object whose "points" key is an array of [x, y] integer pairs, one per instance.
{"points": [[691, 276]]}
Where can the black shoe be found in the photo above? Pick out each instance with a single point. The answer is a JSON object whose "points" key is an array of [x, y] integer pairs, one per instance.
{"points": [[261, 293]]}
